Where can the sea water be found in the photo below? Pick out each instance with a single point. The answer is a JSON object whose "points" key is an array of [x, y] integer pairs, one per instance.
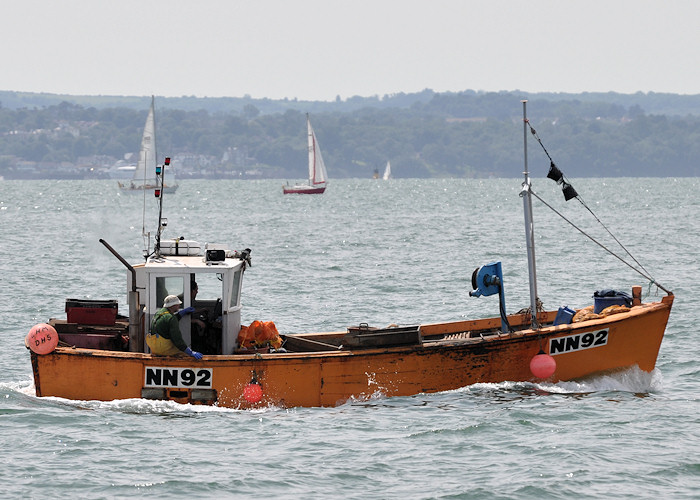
{"points": [[399, 251]]}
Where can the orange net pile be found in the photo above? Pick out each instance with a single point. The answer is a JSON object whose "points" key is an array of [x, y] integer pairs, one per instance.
{"points": [[259, 334]]}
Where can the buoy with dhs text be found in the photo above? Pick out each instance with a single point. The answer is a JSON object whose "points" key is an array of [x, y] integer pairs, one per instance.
{"points": [[42, 338], [543, 365]]}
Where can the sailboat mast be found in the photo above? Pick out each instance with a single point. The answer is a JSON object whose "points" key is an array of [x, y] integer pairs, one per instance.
{"points": [[153, 138], [143, 165], [312, 152], [529, 228]]}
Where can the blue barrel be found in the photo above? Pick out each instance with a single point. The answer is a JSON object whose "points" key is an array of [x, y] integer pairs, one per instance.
{"points": [[600, 303], [608, 297]]}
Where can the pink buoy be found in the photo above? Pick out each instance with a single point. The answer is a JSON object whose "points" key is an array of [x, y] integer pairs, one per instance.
{"points": [[252, 392], [42, 338], [543, 365]]}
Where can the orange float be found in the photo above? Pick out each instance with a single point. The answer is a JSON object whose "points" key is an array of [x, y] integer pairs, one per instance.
{"points": [[543, 365], [252, 392], [42, 338]]}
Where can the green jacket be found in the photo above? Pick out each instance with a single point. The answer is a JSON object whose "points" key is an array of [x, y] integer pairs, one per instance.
{"points": [[166, 325]]}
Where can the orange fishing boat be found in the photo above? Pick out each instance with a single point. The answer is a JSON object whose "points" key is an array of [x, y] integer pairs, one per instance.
{"points": [[95, 354]]}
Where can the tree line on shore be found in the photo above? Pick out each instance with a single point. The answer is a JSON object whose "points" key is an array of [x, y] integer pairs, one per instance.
{"points": [[467, 134]]}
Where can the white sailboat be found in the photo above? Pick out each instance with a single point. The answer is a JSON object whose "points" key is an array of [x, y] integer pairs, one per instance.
{"points": [[145, 178], [318, 177], [387, 172]]}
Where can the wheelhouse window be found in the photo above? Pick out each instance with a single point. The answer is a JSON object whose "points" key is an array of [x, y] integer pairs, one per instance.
{"points": [[235, 289], [168, 285], [209, 286]]}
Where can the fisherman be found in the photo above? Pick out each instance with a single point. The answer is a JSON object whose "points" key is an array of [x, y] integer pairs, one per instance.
{"points": [[199, 327], [194, 288], [165, 338]]}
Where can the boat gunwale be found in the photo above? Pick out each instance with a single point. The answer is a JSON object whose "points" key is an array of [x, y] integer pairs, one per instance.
{"points": [[428, 345]]}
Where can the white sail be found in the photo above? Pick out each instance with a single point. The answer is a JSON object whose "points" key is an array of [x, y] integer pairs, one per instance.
{"points": [[387, 171], [318, 177], [317, 168], [146, 168], [145, 177]]}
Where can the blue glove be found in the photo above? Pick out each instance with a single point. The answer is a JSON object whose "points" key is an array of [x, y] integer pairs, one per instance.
{"points": [[194, 354], [186, 310]]}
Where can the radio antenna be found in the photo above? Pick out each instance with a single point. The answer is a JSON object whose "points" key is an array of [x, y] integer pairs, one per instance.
{"points": [[160, 194]]}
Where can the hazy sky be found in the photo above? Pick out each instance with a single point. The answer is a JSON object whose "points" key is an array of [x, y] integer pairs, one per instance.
{"points": [[316, 50]]}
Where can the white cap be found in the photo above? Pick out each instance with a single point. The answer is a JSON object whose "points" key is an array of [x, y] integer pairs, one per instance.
{"points": [[172, 300]]}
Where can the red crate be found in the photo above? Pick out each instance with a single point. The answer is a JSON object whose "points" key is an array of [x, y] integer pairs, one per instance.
{"points": [[92, 312]]}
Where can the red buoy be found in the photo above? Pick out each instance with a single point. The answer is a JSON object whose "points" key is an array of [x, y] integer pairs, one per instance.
{"points": [[252, 392], [42, 338], [543, 365]]}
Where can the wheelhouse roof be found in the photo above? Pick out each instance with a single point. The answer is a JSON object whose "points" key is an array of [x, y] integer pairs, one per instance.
{"points": [[191, 263]]}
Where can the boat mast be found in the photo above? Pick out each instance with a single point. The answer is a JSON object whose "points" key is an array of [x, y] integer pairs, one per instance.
{"points": [[312, 152], [143, 157], [529, 228], [159, 193], [153, 138]]}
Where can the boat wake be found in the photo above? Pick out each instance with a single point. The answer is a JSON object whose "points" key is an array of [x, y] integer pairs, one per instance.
{"points": [[152, 407], [633, 380], [130, 406], [23, 387]]}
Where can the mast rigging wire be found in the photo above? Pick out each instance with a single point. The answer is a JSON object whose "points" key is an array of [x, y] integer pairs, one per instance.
{"points": [[566, 185]]}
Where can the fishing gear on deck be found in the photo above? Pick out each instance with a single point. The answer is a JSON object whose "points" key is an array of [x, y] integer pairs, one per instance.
{"points": [[243, 255], [554, 173], [488, 280], [569, 192]]}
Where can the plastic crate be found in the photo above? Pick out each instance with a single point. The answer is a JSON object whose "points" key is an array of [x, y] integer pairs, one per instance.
{"points": [[91, 312]]}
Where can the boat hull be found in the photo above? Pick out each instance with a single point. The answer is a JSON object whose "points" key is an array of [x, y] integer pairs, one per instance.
{"points": [[125, 188], [303, 189], [450, 356]]}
